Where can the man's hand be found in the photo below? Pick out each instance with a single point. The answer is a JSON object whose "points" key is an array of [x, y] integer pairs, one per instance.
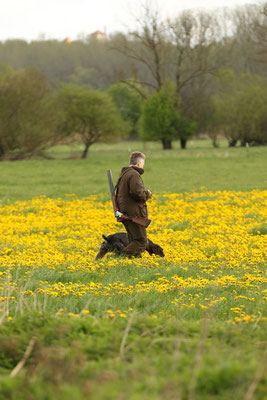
{"points": [[149, 194]]}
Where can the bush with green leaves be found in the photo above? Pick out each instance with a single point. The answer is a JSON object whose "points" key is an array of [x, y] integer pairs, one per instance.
{"points": [[239, 110], [162, 118], [91, 114], [29, 113], [128, 99]]}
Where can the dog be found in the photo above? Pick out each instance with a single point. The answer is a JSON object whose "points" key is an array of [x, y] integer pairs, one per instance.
{"points": [[118, 241]]}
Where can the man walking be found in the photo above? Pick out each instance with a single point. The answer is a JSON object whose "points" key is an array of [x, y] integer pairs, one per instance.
{"points": [[131, 199]]}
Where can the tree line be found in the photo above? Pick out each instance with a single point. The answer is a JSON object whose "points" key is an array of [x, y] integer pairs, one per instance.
{"points": [[199, 72]]}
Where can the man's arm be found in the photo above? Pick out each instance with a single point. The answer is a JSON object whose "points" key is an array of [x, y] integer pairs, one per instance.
{"points": [[137, 189]]}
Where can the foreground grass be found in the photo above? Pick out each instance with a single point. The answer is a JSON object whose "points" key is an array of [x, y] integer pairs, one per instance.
{"points": [[143, 358]]}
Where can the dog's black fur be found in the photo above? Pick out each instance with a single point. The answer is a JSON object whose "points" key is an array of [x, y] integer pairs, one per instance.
{"points": [[118, 241]]}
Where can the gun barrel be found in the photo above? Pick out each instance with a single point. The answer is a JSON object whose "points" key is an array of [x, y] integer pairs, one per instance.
{"points": [[112, 192], [110, 181]]}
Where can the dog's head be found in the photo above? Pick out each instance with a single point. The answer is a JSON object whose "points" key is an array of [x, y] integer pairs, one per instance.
{"points": [[159, 251], [153, 248]]}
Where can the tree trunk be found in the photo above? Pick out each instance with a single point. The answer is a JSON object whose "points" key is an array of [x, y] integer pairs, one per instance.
{"points": [[167, 144], [244, 142], [183, 143], [232, 142], [85, 152], [2, 151], [215, 143]]}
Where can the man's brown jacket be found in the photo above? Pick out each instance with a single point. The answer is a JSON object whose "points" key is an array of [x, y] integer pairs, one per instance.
{"points": [[131, 192]]}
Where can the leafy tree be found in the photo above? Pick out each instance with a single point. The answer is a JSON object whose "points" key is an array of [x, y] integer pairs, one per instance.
{"points": [[90, 114], [129, 103], [29, 113], [84, 77], [185, 128], [210, 121], [162, 120], [240, 110]]}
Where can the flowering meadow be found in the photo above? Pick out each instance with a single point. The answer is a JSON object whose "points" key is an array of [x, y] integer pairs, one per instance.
{"points": [[194, 319], [215, 253]]}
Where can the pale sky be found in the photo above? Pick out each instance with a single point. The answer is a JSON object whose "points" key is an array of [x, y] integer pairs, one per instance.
{"points": [[58, 19]]}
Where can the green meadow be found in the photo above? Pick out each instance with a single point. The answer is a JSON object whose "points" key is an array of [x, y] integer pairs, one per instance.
{"points": [[200, 166]]}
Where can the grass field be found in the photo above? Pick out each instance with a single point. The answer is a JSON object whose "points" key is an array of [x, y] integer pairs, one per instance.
{"points": [[190, 326], [173, 171]]}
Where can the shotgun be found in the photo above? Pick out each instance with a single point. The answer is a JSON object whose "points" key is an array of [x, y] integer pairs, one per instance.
{"points": [[120, 216]]}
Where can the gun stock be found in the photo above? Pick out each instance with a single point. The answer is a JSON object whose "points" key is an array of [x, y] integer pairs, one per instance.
{"points": [[141, 221], [137, 220]]}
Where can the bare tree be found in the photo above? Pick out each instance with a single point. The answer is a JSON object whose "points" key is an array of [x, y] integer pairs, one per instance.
{"points": [[245, 19], [199, 49], [188, 49], [260, 27], [147, 46], [194, 37]]}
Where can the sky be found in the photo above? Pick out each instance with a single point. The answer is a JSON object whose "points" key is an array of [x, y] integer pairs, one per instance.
{"points": [[58, 19]]}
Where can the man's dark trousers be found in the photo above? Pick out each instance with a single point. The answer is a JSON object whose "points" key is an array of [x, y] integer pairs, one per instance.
{"points": [[138, 239]]}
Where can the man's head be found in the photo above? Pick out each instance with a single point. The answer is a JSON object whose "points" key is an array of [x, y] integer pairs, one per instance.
{"points": [[137, 159]]}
